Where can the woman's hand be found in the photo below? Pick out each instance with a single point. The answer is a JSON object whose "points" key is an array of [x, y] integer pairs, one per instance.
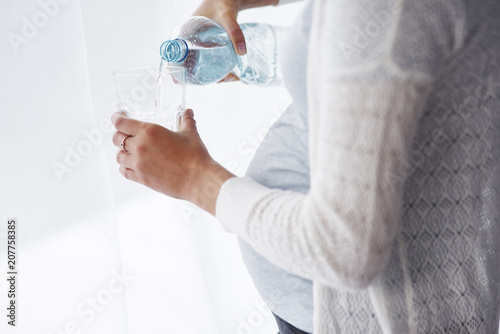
{"points": [[176, 164], [225, 13]]}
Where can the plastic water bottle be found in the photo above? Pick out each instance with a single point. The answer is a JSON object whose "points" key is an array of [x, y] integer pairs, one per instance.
{"points": [[204, 48]]}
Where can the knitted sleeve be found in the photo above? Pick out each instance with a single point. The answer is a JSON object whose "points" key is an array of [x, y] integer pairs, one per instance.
{"points": [[367, 86]]}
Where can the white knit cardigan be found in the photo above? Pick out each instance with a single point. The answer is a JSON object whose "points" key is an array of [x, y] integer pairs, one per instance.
{"points": [[371, 67]]}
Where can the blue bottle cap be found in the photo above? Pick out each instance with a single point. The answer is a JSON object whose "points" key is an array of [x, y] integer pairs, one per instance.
{"points": [[174, 51]]}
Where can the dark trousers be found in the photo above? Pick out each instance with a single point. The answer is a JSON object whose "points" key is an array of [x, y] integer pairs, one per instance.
{"points": [[286, 328]]}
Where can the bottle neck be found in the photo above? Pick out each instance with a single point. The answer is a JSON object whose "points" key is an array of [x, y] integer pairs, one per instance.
{"points": [[174, 51]]}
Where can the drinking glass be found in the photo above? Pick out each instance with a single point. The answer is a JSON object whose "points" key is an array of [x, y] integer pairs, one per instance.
{"points": [[146, 95]]}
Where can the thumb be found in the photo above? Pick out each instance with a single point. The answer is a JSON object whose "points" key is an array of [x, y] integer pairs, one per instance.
{"points": [[187, 122], [233, 29], [237, 37]]}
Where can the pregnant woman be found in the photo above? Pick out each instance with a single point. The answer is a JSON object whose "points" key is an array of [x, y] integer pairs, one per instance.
{"points": [[373, 204]]}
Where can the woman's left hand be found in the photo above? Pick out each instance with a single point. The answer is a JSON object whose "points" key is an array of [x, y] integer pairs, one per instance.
{"points": [[176, 164]]}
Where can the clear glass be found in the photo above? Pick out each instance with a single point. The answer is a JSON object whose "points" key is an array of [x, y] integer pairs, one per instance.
{"points": [[144, 95]]}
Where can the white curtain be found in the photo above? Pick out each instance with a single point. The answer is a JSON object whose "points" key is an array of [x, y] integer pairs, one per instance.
{"points": [[96, 253]]}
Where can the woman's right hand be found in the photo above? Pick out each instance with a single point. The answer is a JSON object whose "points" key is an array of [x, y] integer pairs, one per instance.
{"points": [[225, 13]]}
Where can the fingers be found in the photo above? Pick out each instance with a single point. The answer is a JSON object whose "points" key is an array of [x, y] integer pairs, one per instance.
{"points": [[129, 174], [187, 122], [118, 138], [125, 124], [124, 159], [229, 78]]}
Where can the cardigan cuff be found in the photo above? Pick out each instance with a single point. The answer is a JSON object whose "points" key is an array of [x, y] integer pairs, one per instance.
{"points": [[237, 197]]}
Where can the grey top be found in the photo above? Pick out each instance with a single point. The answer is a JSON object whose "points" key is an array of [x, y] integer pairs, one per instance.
{"points": [[282, 162]]}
